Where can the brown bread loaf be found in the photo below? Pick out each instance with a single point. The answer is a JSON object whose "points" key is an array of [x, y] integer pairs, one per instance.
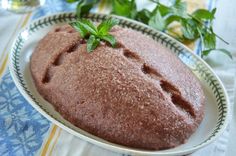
{"points": [[138, 94]]}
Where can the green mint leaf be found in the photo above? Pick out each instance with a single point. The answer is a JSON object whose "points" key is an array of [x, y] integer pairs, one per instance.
{"points": [[110, 39], [193, 26], [71, 1], [89, 26], [105, 26], [126, 8], [213, 12], [92, 43], [78, 27], [203, 14], [95, 35], [143, 16], [84, 6], [179, 8], [164, 10], [157, 21], [173, 18], [226, 52], [189, 29], [206, 52], [209, 40]]}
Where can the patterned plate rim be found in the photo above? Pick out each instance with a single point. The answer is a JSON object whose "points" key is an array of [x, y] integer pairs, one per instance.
{"points": [[201, 67]]}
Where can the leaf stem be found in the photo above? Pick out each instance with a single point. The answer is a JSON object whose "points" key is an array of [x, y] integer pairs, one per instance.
{"points": [[208, 29]]}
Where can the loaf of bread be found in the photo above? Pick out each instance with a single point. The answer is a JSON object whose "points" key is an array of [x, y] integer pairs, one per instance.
{"points": [[137, 94]]}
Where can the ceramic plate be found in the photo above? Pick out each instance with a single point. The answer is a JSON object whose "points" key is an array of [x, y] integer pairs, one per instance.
{"points": [[216, 109]]}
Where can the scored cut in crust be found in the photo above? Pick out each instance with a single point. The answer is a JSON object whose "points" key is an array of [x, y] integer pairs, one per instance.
{"points": [[138, 94]]}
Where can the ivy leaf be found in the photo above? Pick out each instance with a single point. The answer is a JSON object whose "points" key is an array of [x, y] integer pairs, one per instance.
{"points": [[203, 14], [189, 29], [173, 18], [143, 16], [179, 8], [126, 8], [213, 12], [92, 43], [164, 10], [157, 21], [71, 1], [84, 6], [209, 40]]}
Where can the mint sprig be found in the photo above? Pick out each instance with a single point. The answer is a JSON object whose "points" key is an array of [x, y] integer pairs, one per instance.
{"points": [[195, 26], [95, 34]]}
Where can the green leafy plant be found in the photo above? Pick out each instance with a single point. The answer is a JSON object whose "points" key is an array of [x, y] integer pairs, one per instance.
{"points": [[95, 34], [124, 8], [195, 26], [83, 6]]}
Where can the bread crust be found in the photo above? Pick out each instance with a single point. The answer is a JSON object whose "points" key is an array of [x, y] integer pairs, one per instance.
{"points": [[138, 94]]}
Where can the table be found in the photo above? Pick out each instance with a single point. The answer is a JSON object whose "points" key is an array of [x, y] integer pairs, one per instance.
{"points": [[23, 131]]}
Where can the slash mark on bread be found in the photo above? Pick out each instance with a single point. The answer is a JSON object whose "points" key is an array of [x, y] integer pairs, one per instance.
{"points": [[58, 61], [169, 89]]}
